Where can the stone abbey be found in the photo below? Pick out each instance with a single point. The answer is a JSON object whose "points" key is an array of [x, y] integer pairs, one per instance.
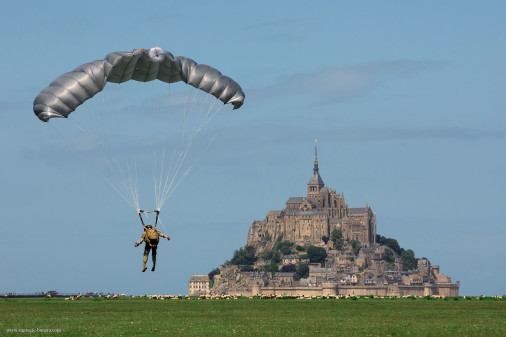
{"points": [[354, 262], [305, 220]]}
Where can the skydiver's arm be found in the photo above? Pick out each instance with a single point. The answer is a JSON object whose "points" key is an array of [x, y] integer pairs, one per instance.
{"points": [[163, 235], [142, 238]]}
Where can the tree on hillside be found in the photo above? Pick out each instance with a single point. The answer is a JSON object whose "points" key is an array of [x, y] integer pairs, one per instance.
{"points": [[284, 247], [212, 273], [407, 255], [289, 268], [390, 243], [356, 245], [247, 267], [215, 271], [302, 271], [337, 237], [272, 267], [316, 254], [266, 255], [389, 256], [325, 239], [336, 234], [276, 257], [409, 261], [244, 256]]}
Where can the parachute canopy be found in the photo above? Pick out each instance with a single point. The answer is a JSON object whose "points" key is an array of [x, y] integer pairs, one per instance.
{"points": [[72, 89]]}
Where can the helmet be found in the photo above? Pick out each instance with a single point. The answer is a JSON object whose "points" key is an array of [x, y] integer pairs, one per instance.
{"points": [[149, 226]]}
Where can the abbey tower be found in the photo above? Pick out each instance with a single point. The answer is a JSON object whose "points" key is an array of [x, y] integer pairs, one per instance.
{"points": [[305, 220]]}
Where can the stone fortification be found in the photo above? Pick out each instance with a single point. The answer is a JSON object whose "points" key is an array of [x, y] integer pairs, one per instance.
{"points": [[355, 264]]}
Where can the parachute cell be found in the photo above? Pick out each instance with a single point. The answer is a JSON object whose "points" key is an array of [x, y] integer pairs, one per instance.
{"points": [[72, 89]]}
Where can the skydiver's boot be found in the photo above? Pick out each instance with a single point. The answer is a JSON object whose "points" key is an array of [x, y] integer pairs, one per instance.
{"points": [[154, 261], [144, 268], [153, 269]]}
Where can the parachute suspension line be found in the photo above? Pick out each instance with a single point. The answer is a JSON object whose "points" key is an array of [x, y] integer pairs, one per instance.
{"points": [[174, 167], [158, 180], [169, 187], [66, 139], [160, 222], [181, 178], [127, 186], [174, 178], [124, 171]]}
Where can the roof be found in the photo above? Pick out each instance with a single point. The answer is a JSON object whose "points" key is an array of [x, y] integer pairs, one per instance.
{"points": [[284, 274], [357, 210], [306, 213], [315, 179], [199, 278], [293, 200]]}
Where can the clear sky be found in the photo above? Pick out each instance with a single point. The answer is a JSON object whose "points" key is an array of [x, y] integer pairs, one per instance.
{"points": [[405, 98]]}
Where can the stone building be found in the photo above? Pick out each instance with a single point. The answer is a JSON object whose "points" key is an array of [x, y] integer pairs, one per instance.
{"points": [[198, 285], [370, 270], [305, 220]]}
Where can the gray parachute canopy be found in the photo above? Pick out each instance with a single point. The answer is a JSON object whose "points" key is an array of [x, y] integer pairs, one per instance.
{"points": [[72, 89]]}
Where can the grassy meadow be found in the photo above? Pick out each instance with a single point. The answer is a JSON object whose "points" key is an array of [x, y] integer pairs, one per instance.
{"points": [[253, 317]]}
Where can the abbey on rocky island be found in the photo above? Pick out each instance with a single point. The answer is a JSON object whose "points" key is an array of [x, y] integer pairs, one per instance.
{"points": [[305, 220], [318, 246]]}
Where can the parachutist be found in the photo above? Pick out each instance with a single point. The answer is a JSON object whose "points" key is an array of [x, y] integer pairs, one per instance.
{"points": [[151, 236]]}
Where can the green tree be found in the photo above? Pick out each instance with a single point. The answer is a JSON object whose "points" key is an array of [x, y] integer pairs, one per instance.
{"points": [[408, 260], [300, 248], [337, 237], [356, 245], [272, 267], [390, 256], [244, 256], [266, 255], [276, 257], [316, 254], [325, 239], [302, 271], [336, 234], [215, 271], [390, 243], [284, 247], [212, 273], [289, 268], [247, 268]]}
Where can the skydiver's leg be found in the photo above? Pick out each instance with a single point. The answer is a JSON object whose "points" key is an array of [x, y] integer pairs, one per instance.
{"points": [[145, 258], [153, 256]]}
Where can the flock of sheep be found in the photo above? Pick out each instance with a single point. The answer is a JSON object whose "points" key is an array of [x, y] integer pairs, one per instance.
{"points": [[233, 297]]}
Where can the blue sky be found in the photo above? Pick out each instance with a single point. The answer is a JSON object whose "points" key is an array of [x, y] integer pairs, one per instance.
{"points": [[406, 100]]}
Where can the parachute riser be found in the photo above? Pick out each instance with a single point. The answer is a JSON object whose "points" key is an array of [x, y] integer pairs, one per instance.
{"points": [[140, 211]]}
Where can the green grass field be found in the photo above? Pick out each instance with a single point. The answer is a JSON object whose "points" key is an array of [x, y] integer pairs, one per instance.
{"points": [[256, 317]]}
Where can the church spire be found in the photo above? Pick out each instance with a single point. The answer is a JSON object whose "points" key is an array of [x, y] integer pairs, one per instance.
{"points": [[315, 168], [315, 184]]}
